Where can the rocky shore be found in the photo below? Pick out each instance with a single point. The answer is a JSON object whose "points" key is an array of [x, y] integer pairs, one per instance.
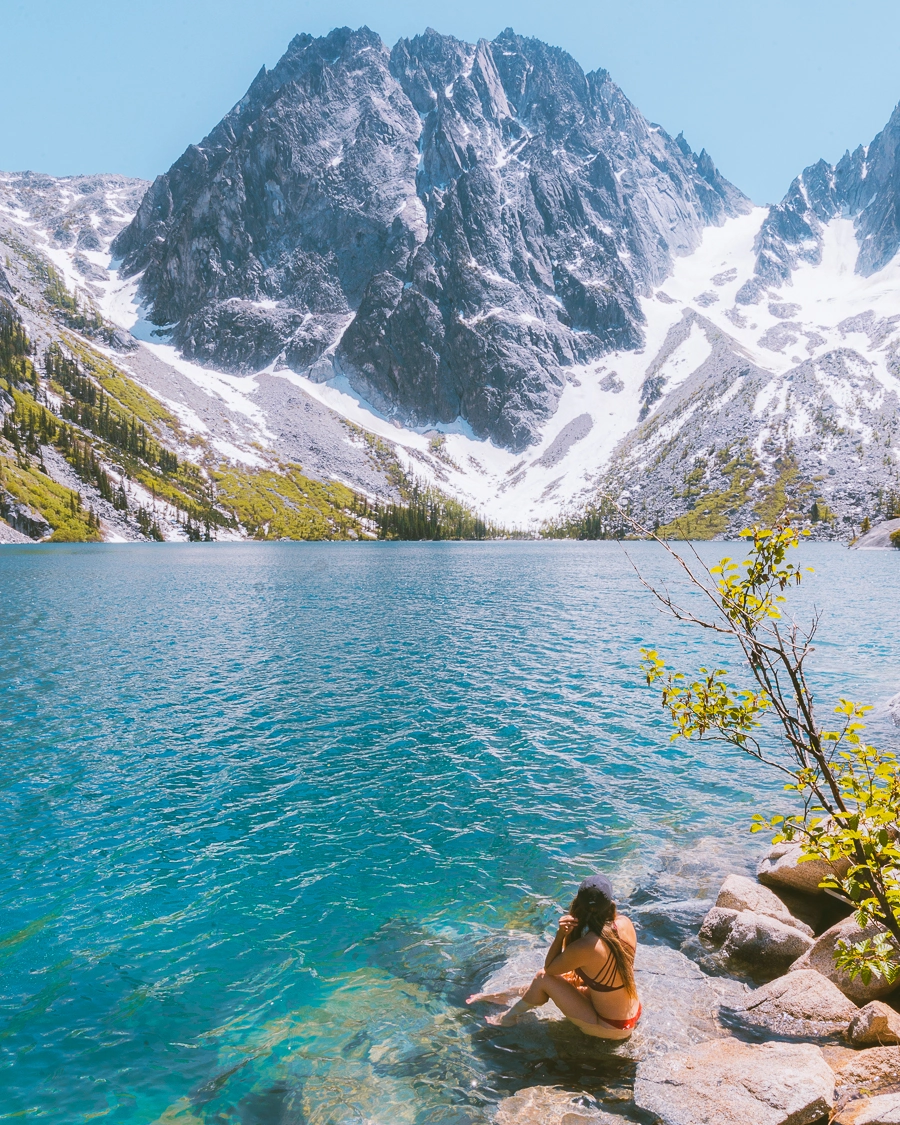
{"points": [[800, 1044]]}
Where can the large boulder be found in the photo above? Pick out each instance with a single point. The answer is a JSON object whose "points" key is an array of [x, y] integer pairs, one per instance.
{"points": [[883, 1109], [782, 868], [681, 1003], [820, 956], [760, 939], [800, 1005], [868, 1072], [740, 893], [875, 1023], [551, 1105], [726, 1082]]}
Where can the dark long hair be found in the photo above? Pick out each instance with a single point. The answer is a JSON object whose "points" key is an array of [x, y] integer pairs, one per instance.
{"points": [[595, 912]]}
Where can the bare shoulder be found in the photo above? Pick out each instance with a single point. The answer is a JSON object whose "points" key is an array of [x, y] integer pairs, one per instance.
{"points": [[626, 928], [588, 942]]}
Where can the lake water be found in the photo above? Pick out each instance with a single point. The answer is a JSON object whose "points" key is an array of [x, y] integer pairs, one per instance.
{"points": [[268, 811]]}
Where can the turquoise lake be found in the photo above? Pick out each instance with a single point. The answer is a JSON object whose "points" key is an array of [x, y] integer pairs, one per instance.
{"points": [[268, 811]]}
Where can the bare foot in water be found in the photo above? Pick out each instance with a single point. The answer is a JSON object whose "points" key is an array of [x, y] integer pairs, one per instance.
{"points": [[504, 1019], [493, 997]]}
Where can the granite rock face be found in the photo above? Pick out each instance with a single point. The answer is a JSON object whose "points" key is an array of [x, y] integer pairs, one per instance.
{"points": [[681, 1003], [726, 1082], [740, 893], [863, 186], [867, 1072], [820, 956], [801, 1005], [782, 868], [883, 1109], [767, 942], [447, 225], [875, 1023]]}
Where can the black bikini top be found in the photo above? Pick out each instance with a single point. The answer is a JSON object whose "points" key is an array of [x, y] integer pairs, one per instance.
{"points": [[602, 982]]}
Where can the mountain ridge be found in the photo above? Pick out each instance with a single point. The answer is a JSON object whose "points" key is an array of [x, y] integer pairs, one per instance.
{"points": [[481, 217], [750, 367]]}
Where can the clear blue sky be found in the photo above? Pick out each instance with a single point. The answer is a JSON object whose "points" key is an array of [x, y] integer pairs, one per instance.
{"points": [[767, 86]]}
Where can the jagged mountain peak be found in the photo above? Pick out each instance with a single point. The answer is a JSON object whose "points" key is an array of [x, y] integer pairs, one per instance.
{"points": [[863, 186], [446, 225]]}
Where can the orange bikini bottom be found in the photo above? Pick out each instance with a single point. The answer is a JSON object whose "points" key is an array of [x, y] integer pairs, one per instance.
{"points": [[617, 1025]]}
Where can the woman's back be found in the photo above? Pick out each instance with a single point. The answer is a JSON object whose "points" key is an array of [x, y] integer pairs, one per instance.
{"points": [[599, 974]]}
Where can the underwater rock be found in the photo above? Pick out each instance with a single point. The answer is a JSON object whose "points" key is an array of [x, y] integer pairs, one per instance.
{"points": [[551, 1105]]}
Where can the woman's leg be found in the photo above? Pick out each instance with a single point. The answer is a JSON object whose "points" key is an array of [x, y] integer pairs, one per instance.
{"points": [[544, 987], [507, 996]]}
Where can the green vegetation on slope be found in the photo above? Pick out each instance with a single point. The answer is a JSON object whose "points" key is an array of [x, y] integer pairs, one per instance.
{"points": [[59, 506], [710, 513], [599, 521], [429, 514], [288, 505], [130, 396]]}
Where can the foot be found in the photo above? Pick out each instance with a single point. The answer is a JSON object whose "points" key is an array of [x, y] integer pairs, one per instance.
{"points": [[505, 1019], [510, 1016], [491, 997]]}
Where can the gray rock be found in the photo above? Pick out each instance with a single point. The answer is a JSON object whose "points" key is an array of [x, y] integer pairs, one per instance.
{"points": [[681, 1003], [552, 1105], [875, 1023], [755, 938], [884, 1109], [879, 539], [862, 186], [800, 1005], [820, 956], [868, 1072], [740, 893], [782, 868], [10, 535], [22, 517], [726, 1082], [448, 225]]}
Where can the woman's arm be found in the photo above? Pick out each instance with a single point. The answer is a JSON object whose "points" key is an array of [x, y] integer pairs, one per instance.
{"points": [[559, 960]]}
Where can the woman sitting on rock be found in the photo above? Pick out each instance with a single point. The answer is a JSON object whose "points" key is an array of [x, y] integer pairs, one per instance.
{"points": [[588, 971]]}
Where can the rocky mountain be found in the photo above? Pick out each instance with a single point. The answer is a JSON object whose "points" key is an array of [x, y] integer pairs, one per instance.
{"points": [[106, 436], [863, 186], [477, 268], [793, 398], [449, 227]]}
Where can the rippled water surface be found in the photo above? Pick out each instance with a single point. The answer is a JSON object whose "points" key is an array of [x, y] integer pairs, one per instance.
{"points": [[268, 810]]}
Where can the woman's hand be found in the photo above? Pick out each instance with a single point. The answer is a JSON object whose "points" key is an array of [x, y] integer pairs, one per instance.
{"points": [[567, 923]]}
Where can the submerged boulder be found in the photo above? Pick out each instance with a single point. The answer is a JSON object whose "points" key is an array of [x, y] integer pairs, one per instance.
{"points": [[800, 1005], [820, 956], [552, 1105], [875, 1023], [681, 1003], [726, 1082]]}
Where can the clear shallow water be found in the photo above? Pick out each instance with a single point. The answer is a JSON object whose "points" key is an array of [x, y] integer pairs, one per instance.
{"points": [[268, 811]]}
